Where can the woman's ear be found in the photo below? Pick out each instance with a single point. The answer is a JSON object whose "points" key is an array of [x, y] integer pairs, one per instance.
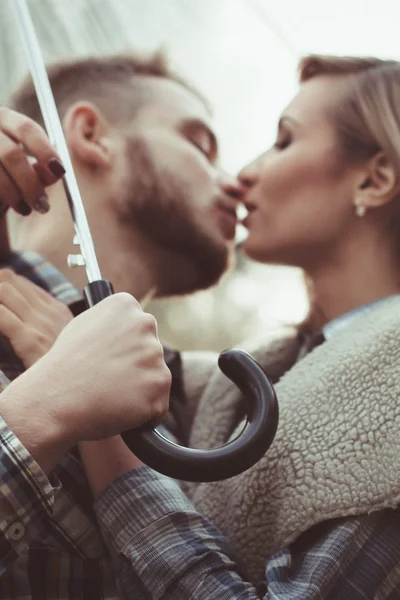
{"points": [[379, 184], [86, 131]]}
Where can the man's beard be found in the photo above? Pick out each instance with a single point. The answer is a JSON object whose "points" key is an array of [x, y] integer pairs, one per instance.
{"points": [[162, 208]]}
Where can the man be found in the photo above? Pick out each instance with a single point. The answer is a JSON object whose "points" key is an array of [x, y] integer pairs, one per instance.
{"points": [[163, 218], [161, 211], [45, 412], [163, 547]]}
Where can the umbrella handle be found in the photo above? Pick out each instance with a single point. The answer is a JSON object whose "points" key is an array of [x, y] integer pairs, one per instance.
{"points": [[191, 464]]}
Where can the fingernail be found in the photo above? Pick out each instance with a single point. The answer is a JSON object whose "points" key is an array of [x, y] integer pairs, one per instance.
{"points": [[42, 205], [24, 208], [56, 167]]}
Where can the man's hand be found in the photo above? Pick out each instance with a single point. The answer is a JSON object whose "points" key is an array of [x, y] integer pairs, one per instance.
{"points": [[120, 379], [23, 179], [30, 317], [104, 374]]}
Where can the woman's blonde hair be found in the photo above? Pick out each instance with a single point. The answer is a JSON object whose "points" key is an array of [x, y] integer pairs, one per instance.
{"points": [[367, 120], [368, 117]]}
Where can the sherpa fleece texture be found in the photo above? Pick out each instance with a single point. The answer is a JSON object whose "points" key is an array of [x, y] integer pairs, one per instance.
{"points": [[337, 449]]}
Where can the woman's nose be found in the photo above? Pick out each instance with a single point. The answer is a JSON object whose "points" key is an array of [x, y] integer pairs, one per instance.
{"points": [[231, 185]]}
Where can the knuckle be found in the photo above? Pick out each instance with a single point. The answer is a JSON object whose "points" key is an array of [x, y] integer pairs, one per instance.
{"points": [[29, 337], [149, 323], [41, 338], [37, 341], [6, 289], [160, 405], [26, 127], [126, 300], [7, 276], [13, 155], [164, 379], [59, 307], [5, 114], [64, 312]]}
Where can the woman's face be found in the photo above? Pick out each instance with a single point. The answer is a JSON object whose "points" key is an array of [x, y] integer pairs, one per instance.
{"points": [[301, 192]]}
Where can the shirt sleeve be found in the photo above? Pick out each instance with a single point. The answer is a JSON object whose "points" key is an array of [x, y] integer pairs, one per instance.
{"points": [[26, 495], [165, 550]]}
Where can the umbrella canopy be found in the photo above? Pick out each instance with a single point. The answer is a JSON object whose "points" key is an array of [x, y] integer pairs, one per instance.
{"points": [[242, 54]]}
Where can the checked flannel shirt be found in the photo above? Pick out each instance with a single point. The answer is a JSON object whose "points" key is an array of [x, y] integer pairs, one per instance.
{"points": [[156, 545]]}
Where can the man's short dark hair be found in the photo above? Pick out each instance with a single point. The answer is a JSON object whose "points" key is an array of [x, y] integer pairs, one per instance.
{"points": [[112, 83]]}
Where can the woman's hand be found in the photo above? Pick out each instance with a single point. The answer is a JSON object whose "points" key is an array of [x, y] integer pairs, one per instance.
{"points": [[28, 164], [30, 317]]}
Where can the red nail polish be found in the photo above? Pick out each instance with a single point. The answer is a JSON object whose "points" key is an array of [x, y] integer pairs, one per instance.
{"points": [[24, 208], [56, 167], [42, 205]]}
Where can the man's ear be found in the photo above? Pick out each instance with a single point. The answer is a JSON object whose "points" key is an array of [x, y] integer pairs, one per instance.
{"points": [[87, 133], [379, 184]]}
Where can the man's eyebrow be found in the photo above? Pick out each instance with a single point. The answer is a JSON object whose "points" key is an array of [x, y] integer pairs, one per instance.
{"points": [[194, 124]]}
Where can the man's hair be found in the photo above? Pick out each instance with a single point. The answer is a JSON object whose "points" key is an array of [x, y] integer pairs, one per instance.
{"points": [[112, 83]]}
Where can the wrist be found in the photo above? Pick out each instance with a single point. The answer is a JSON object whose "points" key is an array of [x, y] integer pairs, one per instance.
{"points": [[105, 460], [24, 406]]}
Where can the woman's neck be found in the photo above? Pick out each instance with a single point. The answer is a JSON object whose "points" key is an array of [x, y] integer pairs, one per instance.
{"points": [[344, 285]]}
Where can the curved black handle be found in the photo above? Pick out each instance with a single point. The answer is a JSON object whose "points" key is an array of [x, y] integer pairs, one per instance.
{"points": [[236, 456], [190, 464]]}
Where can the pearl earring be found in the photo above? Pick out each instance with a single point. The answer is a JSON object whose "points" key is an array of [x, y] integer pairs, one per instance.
{"points": [[360, 209]]}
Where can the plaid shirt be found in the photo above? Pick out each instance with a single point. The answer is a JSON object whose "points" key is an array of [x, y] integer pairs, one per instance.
{"points": [[160, 546], [50, 543], [171, 552]]}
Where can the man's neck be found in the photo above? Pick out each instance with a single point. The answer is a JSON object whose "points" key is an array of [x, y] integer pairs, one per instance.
{"points": [[130, 260], [126, 271], [121, 261]]}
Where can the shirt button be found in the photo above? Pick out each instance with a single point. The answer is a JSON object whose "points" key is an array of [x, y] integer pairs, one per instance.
{"points": [[16, 531]]}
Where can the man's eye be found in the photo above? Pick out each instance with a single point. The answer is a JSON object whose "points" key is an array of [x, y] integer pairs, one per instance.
{"points": [[203, 147]]}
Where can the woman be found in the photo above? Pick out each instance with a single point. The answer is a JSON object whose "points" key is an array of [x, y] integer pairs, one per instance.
{"points": [[326, 198]]}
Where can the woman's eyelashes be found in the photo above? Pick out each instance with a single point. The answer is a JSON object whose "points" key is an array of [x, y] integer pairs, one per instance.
{"points": [[283, 137], [283, 141]]}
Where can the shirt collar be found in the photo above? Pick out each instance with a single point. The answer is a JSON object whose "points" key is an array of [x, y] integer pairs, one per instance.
{"points": [[337, 325], [32, 266]]}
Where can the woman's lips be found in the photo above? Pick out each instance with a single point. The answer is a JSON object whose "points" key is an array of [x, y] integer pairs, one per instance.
{"points": [[250, 209]]}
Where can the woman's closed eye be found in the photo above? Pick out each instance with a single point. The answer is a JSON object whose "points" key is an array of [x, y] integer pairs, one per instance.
{"points": [[283, 141], [284, 134]]}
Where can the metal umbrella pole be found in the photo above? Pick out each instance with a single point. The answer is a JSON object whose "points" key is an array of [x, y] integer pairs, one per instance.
{"points": [[148, 444]]}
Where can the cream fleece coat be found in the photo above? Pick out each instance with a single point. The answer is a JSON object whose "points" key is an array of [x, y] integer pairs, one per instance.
{"points": [[337, 449]]}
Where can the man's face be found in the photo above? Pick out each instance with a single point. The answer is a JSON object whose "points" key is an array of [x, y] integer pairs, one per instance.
{"points": [[175, 192]]}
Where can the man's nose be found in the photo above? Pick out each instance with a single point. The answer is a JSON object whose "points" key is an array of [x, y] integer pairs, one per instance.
{"points": [[231, 185]]}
